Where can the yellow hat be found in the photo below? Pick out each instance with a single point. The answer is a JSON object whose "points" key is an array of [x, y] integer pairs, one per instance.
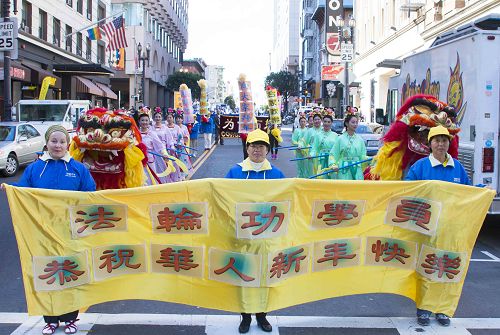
{"points": [[257, 136], [438, 130]]}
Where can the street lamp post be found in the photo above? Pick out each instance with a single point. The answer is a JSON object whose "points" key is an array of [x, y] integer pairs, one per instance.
{"points": [[346, 36], [143, 56]]}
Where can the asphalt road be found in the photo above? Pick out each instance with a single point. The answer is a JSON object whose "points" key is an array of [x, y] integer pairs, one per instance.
{"points": [[478, 312]]}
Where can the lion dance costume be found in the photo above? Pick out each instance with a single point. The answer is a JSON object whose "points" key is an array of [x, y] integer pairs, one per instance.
{"points": [[406, 140], [109, 144]]}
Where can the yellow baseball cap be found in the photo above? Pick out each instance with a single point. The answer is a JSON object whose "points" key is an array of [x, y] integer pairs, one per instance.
{"points": [[257, 136], [438, 130]]}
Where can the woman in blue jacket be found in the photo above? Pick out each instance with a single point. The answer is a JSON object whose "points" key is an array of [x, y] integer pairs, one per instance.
{"points": [[256, 166], [56, 170], [438, 166]]}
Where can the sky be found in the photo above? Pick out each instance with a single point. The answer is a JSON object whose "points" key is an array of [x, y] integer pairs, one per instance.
{"points": [[235, 34]]}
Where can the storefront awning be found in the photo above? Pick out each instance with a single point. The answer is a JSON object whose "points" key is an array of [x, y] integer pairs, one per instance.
{"points": [[82, 69], [38, 75], [84, 85], [108, 93]]}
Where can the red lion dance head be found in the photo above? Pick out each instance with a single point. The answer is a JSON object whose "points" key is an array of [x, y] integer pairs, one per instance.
{"points": [[406, 140], [109, 144]]}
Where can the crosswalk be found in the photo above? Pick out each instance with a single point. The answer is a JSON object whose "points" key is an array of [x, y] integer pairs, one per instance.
{"points": [[227, 324]]}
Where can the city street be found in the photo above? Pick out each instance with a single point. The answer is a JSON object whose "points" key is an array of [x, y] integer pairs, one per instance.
{"points": [[370, 314]]}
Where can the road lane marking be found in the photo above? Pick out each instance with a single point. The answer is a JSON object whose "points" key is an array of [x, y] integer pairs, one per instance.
{"points": [[492, 258], [225, 324]]}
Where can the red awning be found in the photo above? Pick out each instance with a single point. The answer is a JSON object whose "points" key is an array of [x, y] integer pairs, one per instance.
{"points": [[84, 85], [108, 93]]}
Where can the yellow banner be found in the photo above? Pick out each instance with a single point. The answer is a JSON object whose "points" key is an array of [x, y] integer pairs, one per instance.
{"points": [[47, 81], [247, 246]]}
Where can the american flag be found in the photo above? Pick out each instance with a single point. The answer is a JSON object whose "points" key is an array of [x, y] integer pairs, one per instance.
{"points": [[115, 34]]}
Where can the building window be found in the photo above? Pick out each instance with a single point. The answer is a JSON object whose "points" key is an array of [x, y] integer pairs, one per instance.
{"points": [[79, 6], [79, 41], [69, 3], [101, 55], [88, 54], [69, 39], [89, 10], [101, 13], [42, 29], [26, 17], [56, 28]]}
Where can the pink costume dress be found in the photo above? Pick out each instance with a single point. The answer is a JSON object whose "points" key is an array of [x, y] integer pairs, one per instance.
{"points": [[176, 132], [155, 163], [185, 141], [165, 136]]}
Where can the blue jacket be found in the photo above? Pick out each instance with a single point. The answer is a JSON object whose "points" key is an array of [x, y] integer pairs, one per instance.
{"points": [[428, 168], [242, 171], [206, 127], [63, 174], [194, 131]]}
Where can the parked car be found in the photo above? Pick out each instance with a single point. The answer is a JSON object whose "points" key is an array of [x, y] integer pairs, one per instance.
{"points": [[372, 140], [338, 126], [20, 144]]}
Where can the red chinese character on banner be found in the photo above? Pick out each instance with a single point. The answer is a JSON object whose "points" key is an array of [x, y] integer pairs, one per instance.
{"points": [[392, 251], [283, 263], [111, 261], [444, 265], [102, 221], [270, 218], [65, 272], [186, 219], [336, 213], [334, 252], [177, 259], [415, 210], [231, 266]]}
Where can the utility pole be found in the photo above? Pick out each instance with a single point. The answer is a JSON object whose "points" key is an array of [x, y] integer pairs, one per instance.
{"points": [[7, 99]]}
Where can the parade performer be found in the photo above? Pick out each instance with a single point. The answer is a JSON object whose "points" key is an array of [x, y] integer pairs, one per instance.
{"points": [[348, 149], [57, 170], [159, 167], [206, 121], [109, 144], [439, 165], [322, 145], [176, 135], [165, 135], [309, 137], [256, 166], [406, 140], [183, 140], [274, 133], [298, 140]]}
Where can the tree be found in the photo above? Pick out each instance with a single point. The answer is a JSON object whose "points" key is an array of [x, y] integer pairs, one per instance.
{"points": [[229, 100], [190, 79], [286, 83]]}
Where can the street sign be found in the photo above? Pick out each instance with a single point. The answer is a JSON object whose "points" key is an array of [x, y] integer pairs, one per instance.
{"points": [[8, 33], [347, 52]]}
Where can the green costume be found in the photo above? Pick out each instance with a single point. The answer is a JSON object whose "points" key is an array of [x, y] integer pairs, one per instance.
{"points": [[323, 144], [347, 150], [308, 138], [298, 135]]}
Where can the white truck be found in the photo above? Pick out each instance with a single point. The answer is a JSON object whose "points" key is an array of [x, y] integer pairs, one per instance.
{"points": [[462, 68], [44, 113]]}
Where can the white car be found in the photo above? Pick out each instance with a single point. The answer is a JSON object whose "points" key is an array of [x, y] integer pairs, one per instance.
{"points": [[372, 140], [20, 144]]}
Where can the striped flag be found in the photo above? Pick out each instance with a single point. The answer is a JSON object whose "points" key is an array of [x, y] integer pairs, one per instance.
{"points": [[94, 33], [115, 34]]}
